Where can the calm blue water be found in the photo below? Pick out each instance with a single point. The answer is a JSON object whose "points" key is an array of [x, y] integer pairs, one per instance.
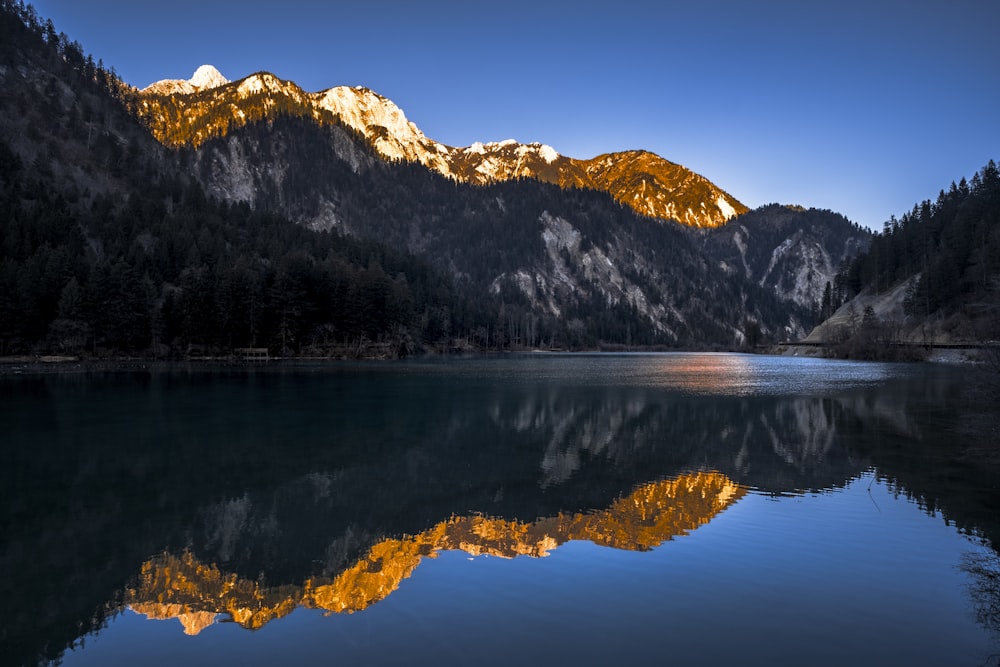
{"points": [[693, 509]]}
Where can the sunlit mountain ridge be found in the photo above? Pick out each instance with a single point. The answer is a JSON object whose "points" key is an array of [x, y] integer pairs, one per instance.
{"points": [[183, 587], [190, 112]]}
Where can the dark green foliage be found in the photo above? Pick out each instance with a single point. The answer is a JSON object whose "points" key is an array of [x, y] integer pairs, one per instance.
{"points": [[952, 244], [206, 276]]}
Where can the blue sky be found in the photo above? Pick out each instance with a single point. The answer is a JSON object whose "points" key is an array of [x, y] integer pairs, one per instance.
{"points": [[865, 108]]}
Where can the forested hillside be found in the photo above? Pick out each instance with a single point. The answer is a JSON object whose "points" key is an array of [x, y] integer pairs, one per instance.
{"points": [[131, 278], [953, 244], [931, 276], [108, 247]]}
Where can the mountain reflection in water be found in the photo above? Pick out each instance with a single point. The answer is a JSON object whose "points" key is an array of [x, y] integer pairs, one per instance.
{"points": [[195, 492], [182, 587]]}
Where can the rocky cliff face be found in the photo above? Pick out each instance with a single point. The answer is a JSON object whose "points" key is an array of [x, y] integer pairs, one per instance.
{"points": [[791, 251]]}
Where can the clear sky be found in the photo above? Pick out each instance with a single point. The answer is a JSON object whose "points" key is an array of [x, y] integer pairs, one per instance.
{"points": [[862, 107]]}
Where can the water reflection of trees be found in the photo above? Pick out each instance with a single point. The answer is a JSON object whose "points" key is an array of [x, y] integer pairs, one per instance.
{"points": [[983, 568]]}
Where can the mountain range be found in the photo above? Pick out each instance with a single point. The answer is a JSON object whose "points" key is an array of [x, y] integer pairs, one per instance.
{"points": [[215, 118], [397, 242], [188, 112]]}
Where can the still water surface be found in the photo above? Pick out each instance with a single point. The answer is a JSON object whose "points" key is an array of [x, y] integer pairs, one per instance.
{"points": [[692, 509]]}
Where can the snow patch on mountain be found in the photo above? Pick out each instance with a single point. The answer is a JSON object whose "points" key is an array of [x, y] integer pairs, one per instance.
{"points": [[727, 210], [490, 168], [548, 153], [364, 110], [251, 86]]}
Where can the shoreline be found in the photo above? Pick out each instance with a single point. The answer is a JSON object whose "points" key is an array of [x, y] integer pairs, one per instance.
{"points": [[55, 364], [936, 354]]}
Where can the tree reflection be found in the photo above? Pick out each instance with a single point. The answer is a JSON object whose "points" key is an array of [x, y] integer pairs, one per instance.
{"points": [[983, 568]]}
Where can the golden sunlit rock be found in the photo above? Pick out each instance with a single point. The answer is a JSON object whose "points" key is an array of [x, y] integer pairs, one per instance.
{"points": [[189, 113], [182, 587], [193, 621]]}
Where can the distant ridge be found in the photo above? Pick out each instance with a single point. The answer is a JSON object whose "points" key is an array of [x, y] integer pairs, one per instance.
{"points": [[188, 112]]}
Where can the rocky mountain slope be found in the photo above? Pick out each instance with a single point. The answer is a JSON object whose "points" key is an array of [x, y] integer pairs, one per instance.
{"points": [[571, 259], [789, 250], [189, 112], [787, 253]]}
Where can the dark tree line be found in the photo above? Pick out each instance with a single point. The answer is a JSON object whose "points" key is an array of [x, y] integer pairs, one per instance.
{"points": [[133, 276], [18, 17], [951, 246]]}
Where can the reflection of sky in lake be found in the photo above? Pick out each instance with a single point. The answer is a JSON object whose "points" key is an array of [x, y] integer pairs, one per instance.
{"points": [[720, 374], [743, 375]]}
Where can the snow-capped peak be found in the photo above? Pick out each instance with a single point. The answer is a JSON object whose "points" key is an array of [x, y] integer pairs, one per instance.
{"points": [[206, 77]]}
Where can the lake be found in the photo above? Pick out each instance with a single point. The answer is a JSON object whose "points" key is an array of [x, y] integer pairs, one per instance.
{"points": [[690, 509]]}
